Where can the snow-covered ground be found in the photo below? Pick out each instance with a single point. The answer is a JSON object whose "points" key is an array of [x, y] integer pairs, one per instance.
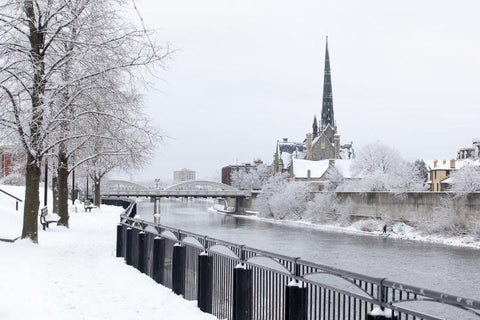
{"points": [[74, 274], [398, 230]]}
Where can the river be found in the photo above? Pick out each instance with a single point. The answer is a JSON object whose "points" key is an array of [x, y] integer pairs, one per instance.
{"points": [[455, 270]]}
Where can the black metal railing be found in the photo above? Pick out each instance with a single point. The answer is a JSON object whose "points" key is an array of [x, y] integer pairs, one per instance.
{"points": [[237, 282], [17, 200]]}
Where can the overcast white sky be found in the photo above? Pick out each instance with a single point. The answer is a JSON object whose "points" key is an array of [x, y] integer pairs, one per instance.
{"points": [[247, 73]]}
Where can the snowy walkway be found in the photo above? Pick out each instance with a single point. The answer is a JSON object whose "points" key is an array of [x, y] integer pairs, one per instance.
{"points": [[74, 274]]}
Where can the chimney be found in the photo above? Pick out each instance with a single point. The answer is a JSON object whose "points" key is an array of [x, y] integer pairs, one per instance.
{"points": [[452, 164], [309, 146], [444, 161], [285, 139], [435, 163]]}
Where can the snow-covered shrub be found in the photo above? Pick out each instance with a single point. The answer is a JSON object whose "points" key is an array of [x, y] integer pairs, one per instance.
{"points": [[476, 229], [368, 225], [381, 168], [326, 208], [281, 199], [14, 179], [291, 202], [253, 179], [274, 185], [445, 219], [466, 180]]}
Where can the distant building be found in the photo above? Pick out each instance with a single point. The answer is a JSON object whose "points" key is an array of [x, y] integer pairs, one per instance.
{"points": [[8, 160], [472, 152], [323, 143], [439, 172], [246, 167], [183, 175]]}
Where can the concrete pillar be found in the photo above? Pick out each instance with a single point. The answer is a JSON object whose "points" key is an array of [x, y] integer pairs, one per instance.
{"points": [[158, 260], [242, 293], [205, 282], [128, 246], [156, 205], [296, 301], [119, 240], [141, 251], [178, 269]]}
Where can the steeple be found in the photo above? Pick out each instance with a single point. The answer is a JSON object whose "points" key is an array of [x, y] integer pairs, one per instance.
{"points": [[315, 127], [327, 106]]}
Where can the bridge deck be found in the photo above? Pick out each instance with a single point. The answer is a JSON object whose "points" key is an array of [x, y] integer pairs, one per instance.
{"points": [[180, 193]]}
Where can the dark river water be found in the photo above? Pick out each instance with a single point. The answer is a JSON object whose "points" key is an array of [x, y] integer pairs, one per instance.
{"points": [[439, 267]]}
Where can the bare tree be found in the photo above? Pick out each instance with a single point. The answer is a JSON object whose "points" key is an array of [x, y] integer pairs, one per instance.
{"points": [[50, 54]]}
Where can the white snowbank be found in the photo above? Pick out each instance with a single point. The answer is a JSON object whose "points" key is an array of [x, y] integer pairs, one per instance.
{"points": [[74, 274]]}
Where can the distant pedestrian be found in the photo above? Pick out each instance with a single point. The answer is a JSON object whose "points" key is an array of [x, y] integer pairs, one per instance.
{"points": [[385, 229]]}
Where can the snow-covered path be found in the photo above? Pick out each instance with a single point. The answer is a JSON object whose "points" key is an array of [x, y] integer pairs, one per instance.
{"points": [[74, 274]]}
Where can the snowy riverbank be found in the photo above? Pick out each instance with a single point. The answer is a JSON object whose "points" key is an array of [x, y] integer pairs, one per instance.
{"points": [[74, 274], [373, 228]]}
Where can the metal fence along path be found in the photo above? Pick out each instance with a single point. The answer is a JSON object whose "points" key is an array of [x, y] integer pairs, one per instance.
{"points": [[236, 282]]}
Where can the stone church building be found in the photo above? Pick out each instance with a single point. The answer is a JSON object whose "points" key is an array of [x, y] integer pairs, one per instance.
{"points": [[323, 143]]}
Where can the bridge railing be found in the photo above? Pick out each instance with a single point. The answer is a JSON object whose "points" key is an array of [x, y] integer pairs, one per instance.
{"points": [[233, 281]]}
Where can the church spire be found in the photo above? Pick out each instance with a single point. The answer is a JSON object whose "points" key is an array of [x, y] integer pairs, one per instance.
{"points": [[315, 126], [327, 106]]}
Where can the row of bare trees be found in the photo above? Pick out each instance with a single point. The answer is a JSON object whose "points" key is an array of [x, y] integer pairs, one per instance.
{"points": [[69, 77]]}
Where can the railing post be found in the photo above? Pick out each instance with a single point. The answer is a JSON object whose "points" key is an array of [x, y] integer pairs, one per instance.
{"points": [[128, 246], [242, 293], [379, 312], [158, 259], [178, 269], [141, 251], [119, 240], [296, 301], [204, 282]]}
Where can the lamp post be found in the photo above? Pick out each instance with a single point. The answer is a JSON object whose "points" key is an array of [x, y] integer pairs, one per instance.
{"points": [[46, 183], [73, 186]]}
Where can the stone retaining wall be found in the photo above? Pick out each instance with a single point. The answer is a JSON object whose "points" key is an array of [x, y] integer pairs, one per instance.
{"points": [[411, 205]]}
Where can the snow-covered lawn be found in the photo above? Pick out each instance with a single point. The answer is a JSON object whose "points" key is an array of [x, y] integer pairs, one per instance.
{"points": [[74, 274]]}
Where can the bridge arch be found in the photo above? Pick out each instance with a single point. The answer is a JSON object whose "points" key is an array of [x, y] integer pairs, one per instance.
{"points": [[117, 185], [200, 185]]}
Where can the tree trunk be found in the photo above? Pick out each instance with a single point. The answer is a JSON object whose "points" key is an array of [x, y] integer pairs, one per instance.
{"points": [[55, 194], [32, 200], [62, 175], [97, 199]]}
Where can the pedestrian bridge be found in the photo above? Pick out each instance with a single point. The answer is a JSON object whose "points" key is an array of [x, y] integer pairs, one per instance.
{"points": [[190, 189]]}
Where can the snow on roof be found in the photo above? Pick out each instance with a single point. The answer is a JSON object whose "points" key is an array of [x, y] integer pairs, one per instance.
{"points": [[445, 164], [291, 147], [343, 166], [317, 168], [440, 164]]}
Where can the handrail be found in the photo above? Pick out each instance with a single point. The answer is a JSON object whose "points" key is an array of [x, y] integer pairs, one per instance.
{"points": [[292, 270], [11, 195]]}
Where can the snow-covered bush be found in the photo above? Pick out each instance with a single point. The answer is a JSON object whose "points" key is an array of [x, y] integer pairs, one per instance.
{"points": [[446, 219], [368, 225], [326, 208], [253, 179], [281, 199], [476, 229], [466, 180], [14, 179], [378, 167]]}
